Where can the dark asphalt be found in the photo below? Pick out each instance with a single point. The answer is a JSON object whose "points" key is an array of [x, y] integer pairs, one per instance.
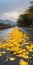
{"points": [[28, 31]]}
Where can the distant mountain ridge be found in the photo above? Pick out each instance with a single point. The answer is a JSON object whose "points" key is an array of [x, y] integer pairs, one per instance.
{"points": [[4, 24], [7, 22]]}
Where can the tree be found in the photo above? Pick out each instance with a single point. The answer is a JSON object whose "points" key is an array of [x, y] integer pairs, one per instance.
{"points": [[26, 20], [30, 11], [23, 21]]}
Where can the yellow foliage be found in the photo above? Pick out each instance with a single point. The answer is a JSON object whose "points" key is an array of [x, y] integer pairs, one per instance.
{"points": [[0, 54], [22, 62], [29, 48], [14, 44], [12, 58], [6, 58]]}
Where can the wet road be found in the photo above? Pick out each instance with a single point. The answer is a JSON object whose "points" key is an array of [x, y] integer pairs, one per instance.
{"points": [[29, 32]]}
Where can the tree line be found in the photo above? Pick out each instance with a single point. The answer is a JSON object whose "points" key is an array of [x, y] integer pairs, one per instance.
{"points": [[26, 19]]}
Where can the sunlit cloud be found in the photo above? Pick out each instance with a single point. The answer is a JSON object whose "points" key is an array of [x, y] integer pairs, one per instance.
{"points": [[10, 15]]}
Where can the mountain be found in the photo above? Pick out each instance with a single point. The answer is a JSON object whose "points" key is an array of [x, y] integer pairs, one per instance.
{"points": [[7, 22]]}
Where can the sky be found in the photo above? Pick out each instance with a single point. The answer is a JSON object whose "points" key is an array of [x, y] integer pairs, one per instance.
{"points": [[11, 9]]}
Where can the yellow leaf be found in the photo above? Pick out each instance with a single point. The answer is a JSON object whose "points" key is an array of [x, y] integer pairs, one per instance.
{"points": [[12, 58]]}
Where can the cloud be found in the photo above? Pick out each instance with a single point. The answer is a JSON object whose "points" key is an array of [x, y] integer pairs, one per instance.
{"points": [[13, 15], [12, 8], [13, 5], [10, 15]]}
